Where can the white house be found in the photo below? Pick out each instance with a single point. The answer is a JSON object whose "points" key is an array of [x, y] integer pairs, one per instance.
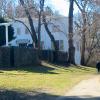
{"points": [[58, 27]]}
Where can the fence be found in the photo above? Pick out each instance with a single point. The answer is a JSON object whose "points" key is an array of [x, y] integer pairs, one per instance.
{"points": [[15, 56], [52, 56]]}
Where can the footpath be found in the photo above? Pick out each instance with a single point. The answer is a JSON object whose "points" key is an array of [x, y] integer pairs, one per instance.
{"points": [[86, 90]]}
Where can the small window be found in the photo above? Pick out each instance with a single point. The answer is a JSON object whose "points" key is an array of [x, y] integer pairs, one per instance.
{"points": [[18, 31], [36, 29], [22, 44], [61, 45], [42, 45], [57, 44], [52, 46], [30, 45]]}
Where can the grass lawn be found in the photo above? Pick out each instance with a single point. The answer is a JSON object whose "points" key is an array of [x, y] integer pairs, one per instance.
{"points": [[48, 78]]}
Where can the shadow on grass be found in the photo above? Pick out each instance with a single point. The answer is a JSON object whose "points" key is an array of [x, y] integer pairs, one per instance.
{"points": [[35, 69], [15, 95], [43, 69], [59, 65], [34, 95], [83, 68], [79, 98], [68, 67]]}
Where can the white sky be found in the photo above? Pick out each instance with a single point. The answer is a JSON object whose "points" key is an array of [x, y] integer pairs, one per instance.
{"points": [[62, 6]]}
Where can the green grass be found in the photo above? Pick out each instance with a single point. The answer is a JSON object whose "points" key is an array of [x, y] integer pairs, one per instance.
{"points": [[48, 78]]}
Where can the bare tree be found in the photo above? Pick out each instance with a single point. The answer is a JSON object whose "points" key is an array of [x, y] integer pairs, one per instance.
{"points": [[7, 8], [88, 29], [3, 7], [46, 26], [82, 6], [34, 36]]}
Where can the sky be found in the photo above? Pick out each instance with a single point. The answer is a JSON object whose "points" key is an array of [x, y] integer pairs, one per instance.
{"points": [[61, 5]]}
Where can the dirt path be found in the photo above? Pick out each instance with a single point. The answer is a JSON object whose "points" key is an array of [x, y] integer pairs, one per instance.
{"points": [[85, 90]]}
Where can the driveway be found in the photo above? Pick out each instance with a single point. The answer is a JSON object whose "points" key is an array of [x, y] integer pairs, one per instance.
{"points": [[86, 90]]}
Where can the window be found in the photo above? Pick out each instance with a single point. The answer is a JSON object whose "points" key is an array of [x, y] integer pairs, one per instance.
{"points": [[61, 45], [42, 45], [57, 44], [52, 46], [30, 45], [22, 44], [18, 31], [26, 31], [36, 29]]}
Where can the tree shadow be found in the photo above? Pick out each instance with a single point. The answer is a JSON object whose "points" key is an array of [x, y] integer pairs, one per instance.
{"points": [[43, 68], [86, 97], [34, 69], [68, 66], [34, 95], [83, 67], [57, 64]]}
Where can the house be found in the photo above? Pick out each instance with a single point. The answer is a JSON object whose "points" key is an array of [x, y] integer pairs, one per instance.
{"points": [[59, 28]]}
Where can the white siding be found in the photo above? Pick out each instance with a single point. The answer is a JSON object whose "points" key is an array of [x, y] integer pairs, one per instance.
{"points": [[60, 34]]}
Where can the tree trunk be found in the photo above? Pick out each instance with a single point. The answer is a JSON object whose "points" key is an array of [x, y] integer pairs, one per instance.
{"points": [[46, 25], [49, 33], [71, 46], [83, 50], [52, 39], [47, 29], [39, 30], [34, 37], [83, 39]]}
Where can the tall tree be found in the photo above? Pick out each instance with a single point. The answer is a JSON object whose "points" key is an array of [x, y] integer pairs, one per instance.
{"points": [[82, 8], [34, 36], [89, 29], [46, 26], [71, 45], [39, 23]]}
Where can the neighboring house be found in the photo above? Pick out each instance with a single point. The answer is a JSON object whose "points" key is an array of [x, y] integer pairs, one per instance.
{"points": [[23, 38], [59, 28]]}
